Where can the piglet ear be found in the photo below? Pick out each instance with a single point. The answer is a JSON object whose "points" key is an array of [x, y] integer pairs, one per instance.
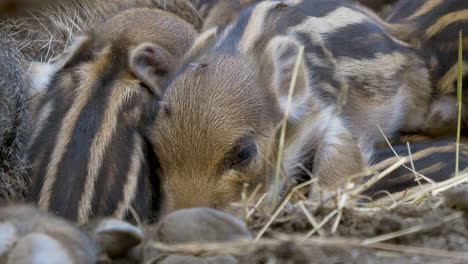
{"points": [[283, 52], [150, 63], [115, 236]]}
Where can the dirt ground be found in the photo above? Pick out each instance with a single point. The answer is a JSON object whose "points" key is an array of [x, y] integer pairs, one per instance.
{"points": [[437, 237], [436, 231]]}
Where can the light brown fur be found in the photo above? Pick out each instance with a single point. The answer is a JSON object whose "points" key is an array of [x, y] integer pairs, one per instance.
{"points": [[224, 118]]}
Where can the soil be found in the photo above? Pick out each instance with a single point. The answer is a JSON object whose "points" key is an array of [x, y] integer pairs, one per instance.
{"points": [[437, 236], [438, 233]]}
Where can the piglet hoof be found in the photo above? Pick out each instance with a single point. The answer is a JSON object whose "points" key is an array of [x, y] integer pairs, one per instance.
{"points": [[116, 237]]}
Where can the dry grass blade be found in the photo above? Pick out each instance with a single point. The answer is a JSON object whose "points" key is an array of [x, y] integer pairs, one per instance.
{"points": [[337, 221], [248, 200], [281, 207], [324, 221], [417, 176], [378, 177], [244, 201], [283, 127], [343, 198], [259, 202], [459, 100], [445, 185], [434, 190], [311, 219], [412, 169]]}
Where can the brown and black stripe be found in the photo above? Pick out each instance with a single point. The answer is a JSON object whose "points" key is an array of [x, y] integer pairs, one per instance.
{"points": [[371, 62], [86, 146], [344, 43], [88, 155], [434, 26], [435, 159]]}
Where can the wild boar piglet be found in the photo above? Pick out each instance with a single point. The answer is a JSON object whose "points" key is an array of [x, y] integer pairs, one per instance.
{"points": [[217, 129], [87, 153]]}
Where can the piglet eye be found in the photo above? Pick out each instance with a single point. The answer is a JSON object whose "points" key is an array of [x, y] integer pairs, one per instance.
{"points": [[244, 155]]}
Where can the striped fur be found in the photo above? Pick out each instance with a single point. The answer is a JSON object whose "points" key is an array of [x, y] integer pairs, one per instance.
{"points": [[88, 156], [223, 12], [434, 26], [435, 159], [224, 104]]}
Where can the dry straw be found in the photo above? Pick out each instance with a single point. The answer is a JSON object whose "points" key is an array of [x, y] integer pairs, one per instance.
{"points": [[459, 100], [283, 127]]}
